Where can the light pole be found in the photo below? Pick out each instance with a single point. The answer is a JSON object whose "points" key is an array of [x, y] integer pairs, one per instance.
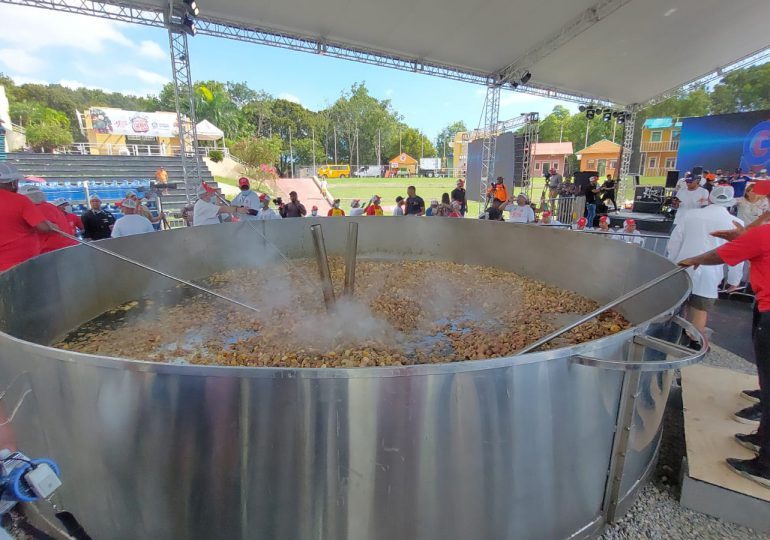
{"points": [[335, 145], [291, 155], [313, 130]]}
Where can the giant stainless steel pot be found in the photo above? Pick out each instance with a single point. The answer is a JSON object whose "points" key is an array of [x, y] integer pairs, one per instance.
{"points": [[532, 446]]}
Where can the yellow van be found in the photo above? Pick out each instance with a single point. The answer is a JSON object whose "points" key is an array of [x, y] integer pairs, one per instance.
{"points": [[334, 171]]}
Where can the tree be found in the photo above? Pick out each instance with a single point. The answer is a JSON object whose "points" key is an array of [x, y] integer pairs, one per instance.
{"points": [[256, 151], [552, 126], [46, 128], [743, 90], [412, 142], [240, 93], [447, 136], [46, 136]]}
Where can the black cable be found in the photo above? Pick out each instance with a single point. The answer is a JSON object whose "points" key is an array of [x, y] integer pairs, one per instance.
{"points": [[15, 457], [73, 526]]}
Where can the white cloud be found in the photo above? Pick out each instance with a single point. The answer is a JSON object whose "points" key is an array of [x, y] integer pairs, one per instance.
{"points": [[21, 79], [20, 61], [289, 97], [150, 49], [39, 28], [147, 77]]}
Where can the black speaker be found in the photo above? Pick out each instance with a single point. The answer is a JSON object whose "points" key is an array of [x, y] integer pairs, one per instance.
{"points": [[582, 179], [672, 177], [697, 171]]}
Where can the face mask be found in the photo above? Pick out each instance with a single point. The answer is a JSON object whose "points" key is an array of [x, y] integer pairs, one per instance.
{"points": [[336, 205], [314, 213]]}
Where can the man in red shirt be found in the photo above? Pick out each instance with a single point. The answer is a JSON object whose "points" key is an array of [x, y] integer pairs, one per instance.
{"points": [[66, 208], [751, 244], [49, 241], [20, 221], [374, 208]]}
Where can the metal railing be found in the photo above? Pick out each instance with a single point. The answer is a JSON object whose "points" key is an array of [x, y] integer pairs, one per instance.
{"points": [[564, 209], [660, 146], [652, 242], [109, 149]]}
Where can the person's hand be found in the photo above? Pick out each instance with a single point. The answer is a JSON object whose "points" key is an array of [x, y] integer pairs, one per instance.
{"points": [[730, 234], [689, 263]]}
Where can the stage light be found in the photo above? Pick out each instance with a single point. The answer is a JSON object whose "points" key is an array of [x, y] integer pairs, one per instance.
{"points": [[188, 25], [615, 114], [607, 116], [192, 7], [514, 84], [582, 108], [590, 114], [621, 119], [525, 79]]}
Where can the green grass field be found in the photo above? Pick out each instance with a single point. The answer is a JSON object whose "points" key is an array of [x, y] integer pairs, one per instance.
{"points": [[347, 189]]}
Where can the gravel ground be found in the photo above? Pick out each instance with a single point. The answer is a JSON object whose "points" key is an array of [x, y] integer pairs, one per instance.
{"points": [[656, 514]]}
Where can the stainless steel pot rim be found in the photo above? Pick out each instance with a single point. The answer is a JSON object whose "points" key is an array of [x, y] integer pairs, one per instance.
{"points": [[146, 366]]}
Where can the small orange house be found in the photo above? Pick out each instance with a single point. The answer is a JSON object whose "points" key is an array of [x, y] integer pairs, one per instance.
{"points": [[602, 156], [402, 162]]}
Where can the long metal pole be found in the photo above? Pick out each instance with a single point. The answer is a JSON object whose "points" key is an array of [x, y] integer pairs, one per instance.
{"points": [[619, 300], [313, 150], [327, 287], [335, 144], [291, 155], [588, 123], [351, 250], [156, 271]]}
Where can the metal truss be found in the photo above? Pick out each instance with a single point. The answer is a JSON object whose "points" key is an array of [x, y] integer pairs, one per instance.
{"points": [[183, 94], [758, 57], [531, 135], [627, 150], [489, 143], [114, 12], [152, 16], [585, 20]]}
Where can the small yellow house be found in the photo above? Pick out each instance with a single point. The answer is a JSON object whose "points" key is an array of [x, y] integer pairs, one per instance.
{"points": [[404, 161], [602, 156], [659, 145]]}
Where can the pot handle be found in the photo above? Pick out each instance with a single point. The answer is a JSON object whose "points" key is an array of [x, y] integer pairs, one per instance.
{"points": [[682, 356]]}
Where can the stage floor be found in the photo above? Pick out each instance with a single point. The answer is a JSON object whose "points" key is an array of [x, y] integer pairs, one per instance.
{"points": [[710, 395]]}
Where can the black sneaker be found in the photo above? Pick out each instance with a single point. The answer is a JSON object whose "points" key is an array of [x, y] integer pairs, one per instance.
{"points": [[749, 415], [751, 395], [751, 469], [750, 441]]}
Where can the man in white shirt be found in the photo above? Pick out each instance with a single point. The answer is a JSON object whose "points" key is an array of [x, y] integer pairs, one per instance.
{"points": [[521, 212], [246, 198], [547, 219], [131, 223], [690, 198], [691, 237], [205, 212], [266, 213], [629, 234]]}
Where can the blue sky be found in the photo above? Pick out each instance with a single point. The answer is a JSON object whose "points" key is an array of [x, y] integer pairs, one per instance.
{"points": [[75, 50]]}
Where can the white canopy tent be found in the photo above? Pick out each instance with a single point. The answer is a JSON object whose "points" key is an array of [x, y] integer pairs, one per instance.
{"points": [[620, 51], [206, 131]]}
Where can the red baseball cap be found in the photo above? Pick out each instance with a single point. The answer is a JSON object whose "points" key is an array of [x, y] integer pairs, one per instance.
{"points": [[243, 181], [582, 221], [628, 222], [547, 214], [604, 219], [761, 187]]}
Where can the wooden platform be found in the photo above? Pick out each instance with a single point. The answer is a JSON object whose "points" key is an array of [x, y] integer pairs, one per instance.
{"points": [[710, 396]]}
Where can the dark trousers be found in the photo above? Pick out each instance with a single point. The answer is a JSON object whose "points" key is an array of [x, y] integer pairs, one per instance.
{"points": [[610, 197], [760, 333]]}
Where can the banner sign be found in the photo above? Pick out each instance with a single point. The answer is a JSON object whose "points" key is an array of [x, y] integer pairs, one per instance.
{"points": [[726, 141], [133, 123]]}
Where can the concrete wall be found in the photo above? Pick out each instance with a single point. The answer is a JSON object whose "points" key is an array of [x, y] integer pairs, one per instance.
{"points": [[13, 141]]}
